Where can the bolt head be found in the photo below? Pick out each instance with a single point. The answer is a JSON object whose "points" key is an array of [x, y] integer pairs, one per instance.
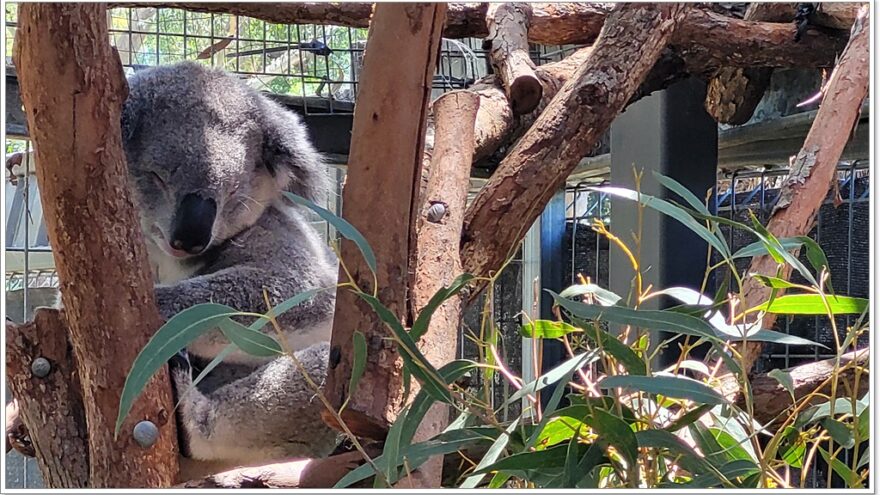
{"points": [[41, 367], [145, 434], [436, 212]]}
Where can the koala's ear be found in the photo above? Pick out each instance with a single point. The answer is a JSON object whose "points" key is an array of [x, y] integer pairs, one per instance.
{"points": [[129, 120], [289, 155]]}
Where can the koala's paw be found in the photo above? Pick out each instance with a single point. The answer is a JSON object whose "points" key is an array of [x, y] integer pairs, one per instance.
{"points": [[181, 371]]}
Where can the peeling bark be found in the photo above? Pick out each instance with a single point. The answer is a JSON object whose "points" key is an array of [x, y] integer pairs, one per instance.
{"points": [[509, 52], [381, 198], [72, 88], [812, 173], [580, 113]]}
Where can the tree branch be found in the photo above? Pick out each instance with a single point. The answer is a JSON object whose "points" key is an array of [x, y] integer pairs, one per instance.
{"points": [[399, 64], [812, 173], [771, 399], [72, 88], [50, 400], [552, 23], [580, 113], [435, 264], [509, 52], [734, 92]]}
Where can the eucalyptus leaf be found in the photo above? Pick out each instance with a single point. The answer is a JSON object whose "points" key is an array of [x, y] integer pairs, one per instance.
{"points": [[669, 386]]}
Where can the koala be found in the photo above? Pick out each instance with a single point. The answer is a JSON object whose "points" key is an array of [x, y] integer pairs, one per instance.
{"points": [[208, 160]]}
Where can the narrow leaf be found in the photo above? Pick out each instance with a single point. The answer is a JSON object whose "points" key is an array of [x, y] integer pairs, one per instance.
{"points": [[812, 304], [669, 386]]}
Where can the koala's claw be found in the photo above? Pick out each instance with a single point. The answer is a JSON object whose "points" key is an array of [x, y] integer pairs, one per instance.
{"points": [[180, 362]]}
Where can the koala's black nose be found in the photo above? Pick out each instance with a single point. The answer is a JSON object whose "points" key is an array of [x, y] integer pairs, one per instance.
{"points": [[192, 224]]}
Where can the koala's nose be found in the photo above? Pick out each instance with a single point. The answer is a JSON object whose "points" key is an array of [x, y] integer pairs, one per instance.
{"points": [[193, 223]]}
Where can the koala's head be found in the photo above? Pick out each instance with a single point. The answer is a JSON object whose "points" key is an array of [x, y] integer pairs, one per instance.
{"points": [[206, 154]]}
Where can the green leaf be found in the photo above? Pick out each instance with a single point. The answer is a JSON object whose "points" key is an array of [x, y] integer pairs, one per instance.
{"points": [[816, 257], [546, 329], [673, 211], [558, 429], [684, 454], [668, 386], [793, 447], [229, 349], [812, 304], [602, 296], [842, 470], [688, 418], [359, 346], [648, 319], [708, 444], [423, 400], [839, 432], [571, 474], [631, 361], [341, 225], [820, 411], [685, 193], [784, 378], [758, 248], [734, 448], [566, 369], [250, 341], [421, 324], [773, 282], [173, 336], [287, 305], [554, 457], [612, 430], [391, 451], [417, 454], [413, 359], [497, 448]]}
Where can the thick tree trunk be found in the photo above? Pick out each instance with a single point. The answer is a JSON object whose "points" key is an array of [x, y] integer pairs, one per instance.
{"points": [[558, 23], [73, 88], [381, 200], [50, 399], [509, 52], [734, 92], [812, 173], [437, 262], [578, 116], [771, 398]]}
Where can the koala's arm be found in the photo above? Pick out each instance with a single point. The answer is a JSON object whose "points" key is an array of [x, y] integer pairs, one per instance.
{"points": [[270, 414], [242, 287]]}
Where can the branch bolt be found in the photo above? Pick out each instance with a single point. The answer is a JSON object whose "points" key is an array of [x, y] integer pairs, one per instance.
{"points": [[436, 211], [145, 434], [40, 367]]}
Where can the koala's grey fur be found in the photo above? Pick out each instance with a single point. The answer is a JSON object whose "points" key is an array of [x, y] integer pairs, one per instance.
{"points": [[190, 129]]}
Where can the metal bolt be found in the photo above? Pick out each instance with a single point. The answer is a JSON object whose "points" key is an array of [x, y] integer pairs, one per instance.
{"points": [[145, 434], [436, 212], [41, 367]]}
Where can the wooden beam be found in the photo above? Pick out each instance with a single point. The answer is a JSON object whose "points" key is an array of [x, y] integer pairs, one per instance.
{"points": [[73, 87], [381, 201], [579, 114]]}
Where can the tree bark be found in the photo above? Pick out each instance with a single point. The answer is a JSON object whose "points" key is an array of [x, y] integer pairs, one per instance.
{"points": [[381, 201], [578, 116], [509, 52], [50, 407], [734, 92], [812, 173], [771, 399], [72, 87], [836, 15], [555, 23], [436, 265]]}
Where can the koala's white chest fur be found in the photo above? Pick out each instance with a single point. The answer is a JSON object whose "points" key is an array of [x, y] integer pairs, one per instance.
{"points": [[166, 269]]}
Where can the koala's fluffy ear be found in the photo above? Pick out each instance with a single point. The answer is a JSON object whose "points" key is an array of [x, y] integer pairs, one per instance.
{"points": [[289, 155], [129, 120]]}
